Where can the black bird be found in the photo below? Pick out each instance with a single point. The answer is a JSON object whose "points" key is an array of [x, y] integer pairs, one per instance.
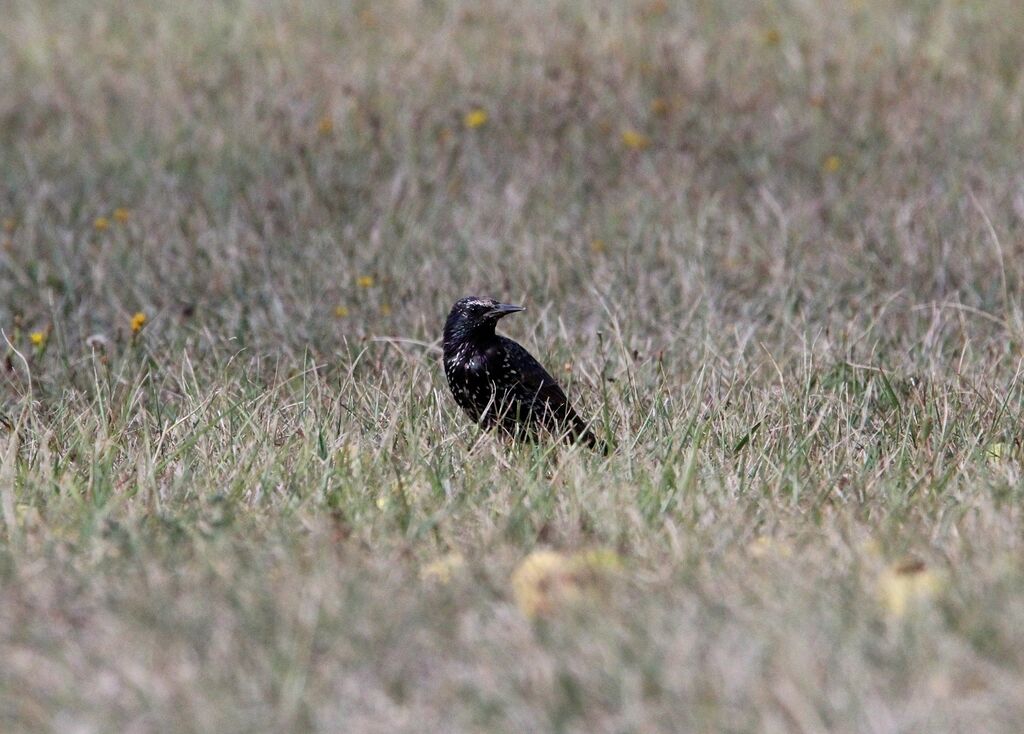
{"points": [[498, 383]]}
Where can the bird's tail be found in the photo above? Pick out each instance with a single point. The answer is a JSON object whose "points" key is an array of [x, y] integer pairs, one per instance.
{"points": [[581, 432]]}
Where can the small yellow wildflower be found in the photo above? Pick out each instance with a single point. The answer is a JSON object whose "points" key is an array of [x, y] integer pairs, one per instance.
{"points": [[122, 215], [832, 164], [475, 118], [9, 224], [101, 224], [38, 338], [383, 503], [365, 281], [772, 37], [138, 321], [635, 140], [385, 309], [659, 106], [906, 585], [340, 311], [325, 126], [597, 246], [442, 570]]}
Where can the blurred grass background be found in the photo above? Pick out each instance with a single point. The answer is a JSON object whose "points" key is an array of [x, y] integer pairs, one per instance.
{"points": [[773, 248]]}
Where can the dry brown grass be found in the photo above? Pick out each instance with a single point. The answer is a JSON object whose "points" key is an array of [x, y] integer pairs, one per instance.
{"points": [[775, 249]]}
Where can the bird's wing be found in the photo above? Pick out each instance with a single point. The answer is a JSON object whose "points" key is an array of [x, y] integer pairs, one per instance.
{"points": [[536, 383], [537, 386]]}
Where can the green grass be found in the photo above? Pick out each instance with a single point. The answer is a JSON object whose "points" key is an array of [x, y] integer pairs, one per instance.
{"points": [[810, 369]]}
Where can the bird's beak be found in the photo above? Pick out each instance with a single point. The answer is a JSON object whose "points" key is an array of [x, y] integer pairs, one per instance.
{"points": [[504, 309]]}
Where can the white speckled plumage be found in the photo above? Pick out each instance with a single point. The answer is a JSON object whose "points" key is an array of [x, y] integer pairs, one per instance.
{"points": [[497, 382]]}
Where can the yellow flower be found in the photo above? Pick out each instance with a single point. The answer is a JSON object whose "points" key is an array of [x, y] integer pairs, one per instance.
{"points": [[442, 570], [325, 126], [138, 321], [101, 224], [906, 585], [772, 37], [340, 311], [365, 281], [122, 215], [475, 118], [659, 106], [635, 140], [546, 580], [597, 246], [38, 338], [832, 164]]}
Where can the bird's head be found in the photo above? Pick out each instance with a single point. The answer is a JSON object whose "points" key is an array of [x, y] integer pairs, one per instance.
{"points": [[473, 316]]}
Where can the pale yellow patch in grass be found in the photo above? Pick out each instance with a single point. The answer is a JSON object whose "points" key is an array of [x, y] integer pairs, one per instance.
{"points": [[547, 580], [443, 569], [475, 118], [764, 546], [635, 140], [907, 585]]}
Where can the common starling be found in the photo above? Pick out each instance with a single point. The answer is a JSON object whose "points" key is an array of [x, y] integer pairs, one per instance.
{"points": [[498, 383]]}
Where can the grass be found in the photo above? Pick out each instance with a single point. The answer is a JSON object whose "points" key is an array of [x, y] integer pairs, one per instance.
{"points": [[774, 249]]}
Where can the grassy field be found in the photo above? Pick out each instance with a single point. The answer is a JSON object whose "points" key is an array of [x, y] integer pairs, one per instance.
{"points": [[774, 249]]}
